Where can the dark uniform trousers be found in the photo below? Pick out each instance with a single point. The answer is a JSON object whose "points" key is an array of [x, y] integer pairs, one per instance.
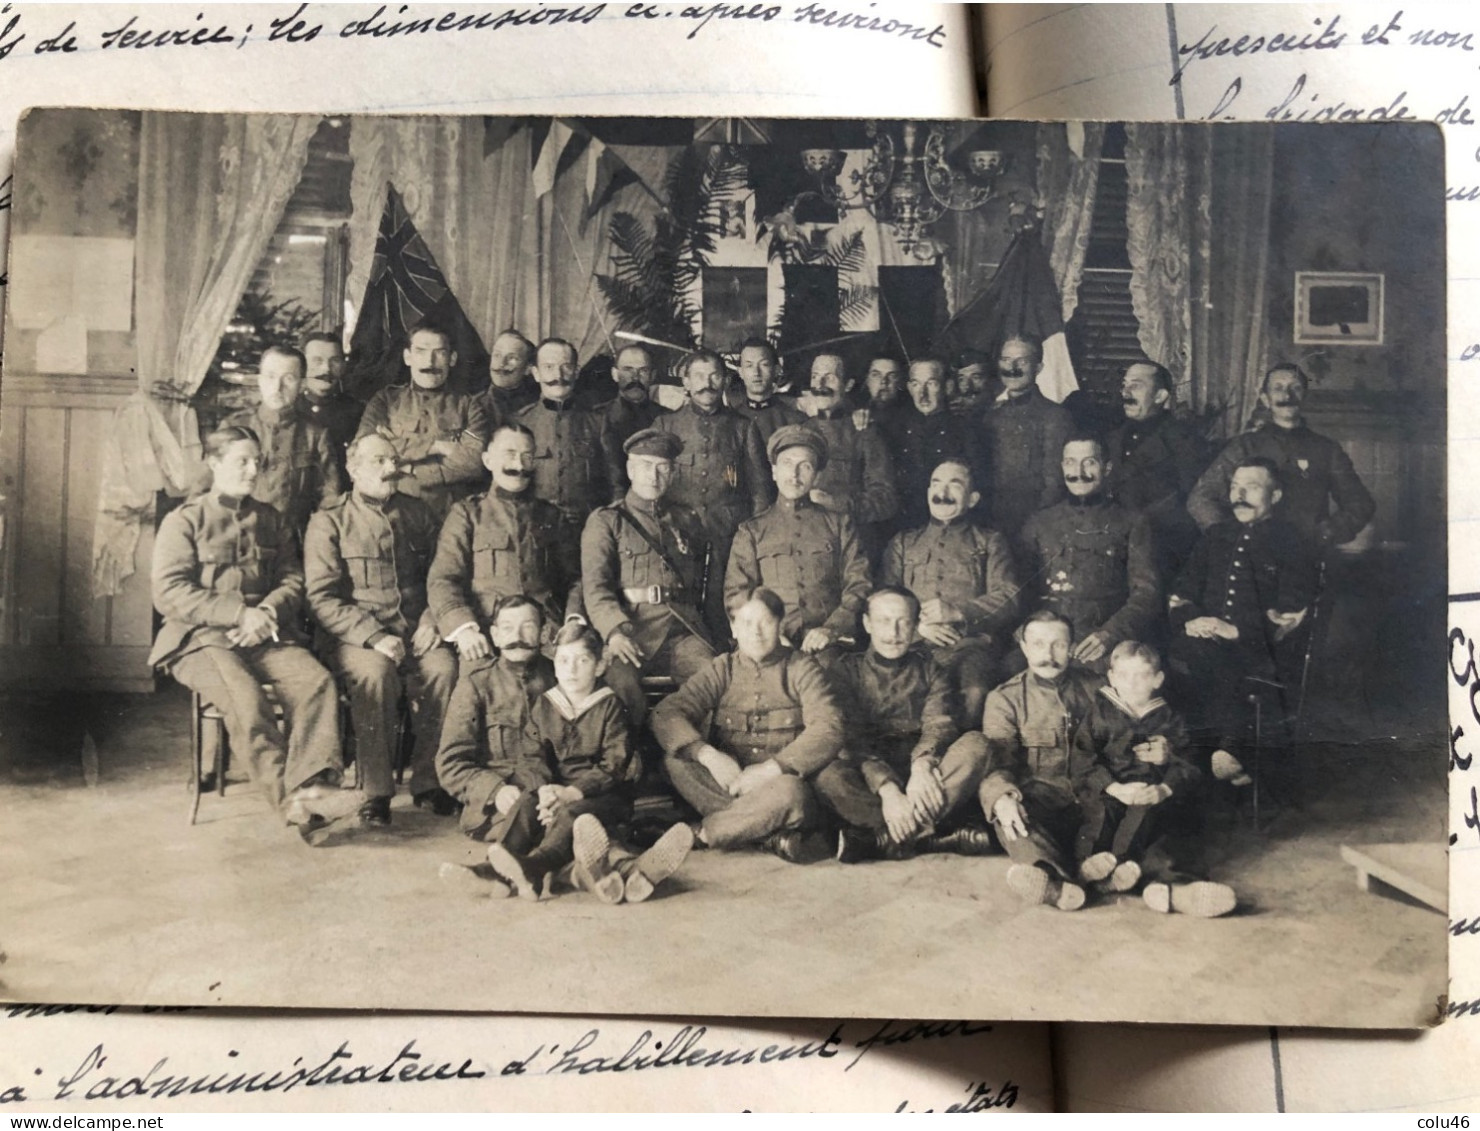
{"points": [[549, 846], [213, 558], [375, 687], [780, 709], [844, 788], [617, 562]]}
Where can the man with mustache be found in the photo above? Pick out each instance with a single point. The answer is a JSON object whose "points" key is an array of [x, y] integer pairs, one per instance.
{"points": [[1236, 609], [438, 434], [964, 575], [1322, 495], [1156, 460], [1029, 724], [642, 576], [721, 472], [859, 478], [634, 408], [574, 464], [970, 379], [887, 403], [757, 398], [510, 386], [1023, 433], [365, 557], [807, 556], [323, 400], [930, 434], [1092, 560], [504, 542], [907, 775], [298, 470]]}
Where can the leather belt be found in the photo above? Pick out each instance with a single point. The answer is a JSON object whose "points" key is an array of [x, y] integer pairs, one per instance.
{"points": [[651, 595]]}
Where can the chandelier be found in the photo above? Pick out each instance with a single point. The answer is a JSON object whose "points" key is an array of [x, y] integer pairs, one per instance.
{"points": [[904, 189]]}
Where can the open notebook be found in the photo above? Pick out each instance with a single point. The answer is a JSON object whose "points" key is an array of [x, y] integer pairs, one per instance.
{"points": [[1032, 60]]}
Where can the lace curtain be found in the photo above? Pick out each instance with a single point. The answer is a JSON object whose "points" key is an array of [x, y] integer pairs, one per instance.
{"points": [[1068, 177], [1198, 288], [212, 189]]}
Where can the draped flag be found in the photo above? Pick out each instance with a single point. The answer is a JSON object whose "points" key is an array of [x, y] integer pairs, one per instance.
{"points": [[1021, 298]]}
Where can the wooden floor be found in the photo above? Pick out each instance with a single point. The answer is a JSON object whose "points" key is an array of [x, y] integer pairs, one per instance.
{"points": [[109, 896]]}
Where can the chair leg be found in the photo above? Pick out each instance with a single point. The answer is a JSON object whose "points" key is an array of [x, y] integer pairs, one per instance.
{"points": [[223, 756], [1257, 701], [195, 755]]}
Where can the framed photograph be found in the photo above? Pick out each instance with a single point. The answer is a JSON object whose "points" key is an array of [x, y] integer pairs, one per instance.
{"points": [[1338, 307]]}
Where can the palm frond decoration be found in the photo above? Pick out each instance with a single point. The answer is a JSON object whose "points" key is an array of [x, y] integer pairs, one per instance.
{"points": [[854, 303]]}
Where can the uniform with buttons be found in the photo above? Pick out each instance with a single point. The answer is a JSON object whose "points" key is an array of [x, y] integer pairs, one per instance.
{"points": [[576, 466], [414, 419], [298, 470], [1024, 439], [366, 562]]}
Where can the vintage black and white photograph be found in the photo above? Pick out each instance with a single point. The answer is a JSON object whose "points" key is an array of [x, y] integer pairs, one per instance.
{"points": [[725, 567]]}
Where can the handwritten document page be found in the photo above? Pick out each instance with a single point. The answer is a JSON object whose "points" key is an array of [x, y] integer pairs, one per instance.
{"points": [[593, 59], [1288, 62]]}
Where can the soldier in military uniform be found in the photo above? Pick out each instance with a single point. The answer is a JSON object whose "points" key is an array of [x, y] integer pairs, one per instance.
{"points": [[227, 581], [643, 574], [366, 556], [323, 400], [1092, 560], [1155, 461], [757, 397], [1238, 613], [1322, 495], [807, 556], [492, 758], [634, 408], [497, 544], [930, 434], [574, 462], [964, 576], [859, 478], [1024, 433], [889, 407], [438, 433], [743, 736], [721, 474], [298, 470], [510, 385], [907, 772], [969, 380]]}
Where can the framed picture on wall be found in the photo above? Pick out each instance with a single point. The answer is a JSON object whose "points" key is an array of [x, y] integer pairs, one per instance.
{"points": [[1338, 308]]}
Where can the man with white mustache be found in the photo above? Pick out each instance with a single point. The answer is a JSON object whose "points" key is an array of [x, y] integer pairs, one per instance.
{"points": [[438, 434], [365, 557], [497, 544], [1322, 496]]}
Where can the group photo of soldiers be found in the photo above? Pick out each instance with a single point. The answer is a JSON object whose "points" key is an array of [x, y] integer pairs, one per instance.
{"points": [[701, 514]]}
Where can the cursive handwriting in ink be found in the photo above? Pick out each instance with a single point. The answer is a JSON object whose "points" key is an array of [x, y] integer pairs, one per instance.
{"points": [[681, 1050], [981, 1097], [1326, 38], [828, 17], [125, 35], [890, 1033], [10, 38]]}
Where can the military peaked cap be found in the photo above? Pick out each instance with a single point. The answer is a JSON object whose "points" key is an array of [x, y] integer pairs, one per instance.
{"points": [[798, 436]]}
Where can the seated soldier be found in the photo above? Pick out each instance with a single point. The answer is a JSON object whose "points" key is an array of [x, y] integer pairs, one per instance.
{"points": [[587, 765], [807, 556], [744, 734], [1132, 781], [491, 758], [366, 556], [964, 576], [500, 543], [1029, 723], [643, 565], [907, 772], [227, 581], [1237, 614]]}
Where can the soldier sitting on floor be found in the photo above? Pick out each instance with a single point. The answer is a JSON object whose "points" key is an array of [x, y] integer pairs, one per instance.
{"points": [[907, 771], [743, 736]]}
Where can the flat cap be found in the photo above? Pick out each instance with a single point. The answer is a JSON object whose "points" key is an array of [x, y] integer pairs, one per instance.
{"points": [[651, 442], [798, 436]]}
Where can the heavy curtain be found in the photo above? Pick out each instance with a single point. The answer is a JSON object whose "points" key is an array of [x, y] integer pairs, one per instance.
{"points": [[514, 256], [212, 189], [1068, 177], [1198, 288]]}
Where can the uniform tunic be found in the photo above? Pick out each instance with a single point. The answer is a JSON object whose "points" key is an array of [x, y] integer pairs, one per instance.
{"points": [[1154, 466], [366, 563], [495, 545], [500, 404], [963, 565], [923, 442], [490, 738], [722, 472], [1092, 561], [1315, 472], [338, 414], [860, 473], [214, 558], [811, 558], [415, 418], [624, 419], [298, 470], [768, 415], [1024, 436], [575, 465]]}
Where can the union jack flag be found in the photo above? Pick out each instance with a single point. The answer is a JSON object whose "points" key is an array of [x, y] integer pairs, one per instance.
{"points": [[403, 275]]}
